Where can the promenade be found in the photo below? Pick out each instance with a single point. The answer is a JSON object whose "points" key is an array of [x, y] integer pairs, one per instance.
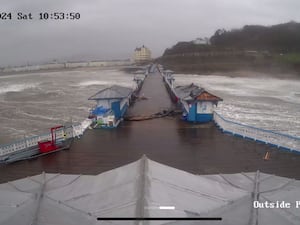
{"points": [[196, 148]]}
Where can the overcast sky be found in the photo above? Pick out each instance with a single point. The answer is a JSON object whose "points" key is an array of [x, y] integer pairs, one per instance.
{"points": [[111, 29]]}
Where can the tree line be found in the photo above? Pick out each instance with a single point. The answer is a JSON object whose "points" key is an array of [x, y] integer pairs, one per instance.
{"points": [[281, 38]]}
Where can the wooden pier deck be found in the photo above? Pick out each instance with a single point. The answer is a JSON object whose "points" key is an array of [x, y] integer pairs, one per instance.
{"points": [[200, 149]]}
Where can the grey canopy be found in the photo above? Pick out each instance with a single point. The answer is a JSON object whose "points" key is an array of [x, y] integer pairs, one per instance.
{"points": [[139, 189], [113, 92]]}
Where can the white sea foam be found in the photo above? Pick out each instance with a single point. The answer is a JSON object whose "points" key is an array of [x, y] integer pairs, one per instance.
{"points": [[286, 90], [268, 103], [92, 82], [16, 87], [37, 116], [55, 92], [102, 83]]}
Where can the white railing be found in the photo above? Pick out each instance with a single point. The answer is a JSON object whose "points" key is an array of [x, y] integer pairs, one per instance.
{"points": [[257, 134], [26, 143], [79, 129]]}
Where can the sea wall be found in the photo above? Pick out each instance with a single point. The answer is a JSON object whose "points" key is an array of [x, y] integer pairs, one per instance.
{"points": [[66, 65]]}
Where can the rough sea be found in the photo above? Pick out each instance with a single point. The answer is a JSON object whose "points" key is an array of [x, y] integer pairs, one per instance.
{"points": [[268, 103], [31, 103]]}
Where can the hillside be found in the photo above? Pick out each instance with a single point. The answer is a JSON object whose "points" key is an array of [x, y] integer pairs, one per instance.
{"points": [[253, 47], [281, 38]]}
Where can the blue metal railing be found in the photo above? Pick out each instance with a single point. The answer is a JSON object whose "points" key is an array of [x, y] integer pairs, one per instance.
{"points": [[280, 140]]}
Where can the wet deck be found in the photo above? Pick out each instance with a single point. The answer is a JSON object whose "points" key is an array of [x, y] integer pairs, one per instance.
{"points": [[200, 149]]}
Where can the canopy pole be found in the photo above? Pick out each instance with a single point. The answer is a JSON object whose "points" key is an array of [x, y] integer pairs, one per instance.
{"points": [[141, 202], [39, 197], [255, 197]]}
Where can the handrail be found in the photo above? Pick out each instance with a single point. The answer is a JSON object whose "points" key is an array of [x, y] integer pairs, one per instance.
{"points": [[26, 143], [278, 139]]}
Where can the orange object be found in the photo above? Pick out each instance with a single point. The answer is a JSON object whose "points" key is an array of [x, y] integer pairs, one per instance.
{"points": [[267, 156]]}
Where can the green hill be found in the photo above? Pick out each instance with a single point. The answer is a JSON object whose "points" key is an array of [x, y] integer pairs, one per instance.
{"points": [[254, 47], [283, 38]]}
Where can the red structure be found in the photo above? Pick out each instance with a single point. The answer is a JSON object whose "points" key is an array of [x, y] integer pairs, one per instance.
{"points": [[48, 146]]}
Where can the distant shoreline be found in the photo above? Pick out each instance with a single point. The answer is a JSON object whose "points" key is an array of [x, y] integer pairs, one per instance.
{"points": [[64, 69], [233, 73], [244, 73], [64, 66], [279, 73]]}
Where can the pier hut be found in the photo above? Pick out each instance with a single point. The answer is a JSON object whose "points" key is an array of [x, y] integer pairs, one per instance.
{"points": [[197, 104], [112, 103]]}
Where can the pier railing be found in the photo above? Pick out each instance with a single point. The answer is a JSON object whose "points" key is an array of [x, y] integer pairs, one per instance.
{"points": [[27, 143], [74, 131], [284, 141]]}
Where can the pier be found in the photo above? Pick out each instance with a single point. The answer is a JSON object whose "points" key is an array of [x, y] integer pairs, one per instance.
{"points": [[196, 148]]}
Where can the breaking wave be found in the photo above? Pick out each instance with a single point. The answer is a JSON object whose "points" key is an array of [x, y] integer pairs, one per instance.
{"points": [[103, 83], [17, 87], [92, 82], [37, 116]]}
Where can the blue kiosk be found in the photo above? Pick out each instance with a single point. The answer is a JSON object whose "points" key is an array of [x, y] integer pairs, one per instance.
{"points": [[197, 104], [112, 103]]}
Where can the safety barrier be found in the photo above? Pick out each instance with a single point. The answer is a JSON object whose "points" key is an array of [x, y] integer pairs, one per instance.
{"points": [[29, 142], [284, 141]]}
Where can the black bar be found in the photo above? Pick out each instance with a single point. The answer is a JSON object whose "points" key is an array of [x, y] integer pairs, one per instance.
{"points": [[159, 218]]}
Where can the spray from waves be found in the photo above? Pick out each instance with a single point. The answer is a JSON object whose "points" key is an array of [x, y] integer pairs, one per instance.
{"points": [[266, 116], [17, 87], [285, 90]]}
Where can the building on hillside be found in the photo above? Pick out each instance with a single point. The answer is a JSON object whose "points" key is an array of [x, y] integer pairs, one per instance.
{"points": [[201, 41], [142, 54]]}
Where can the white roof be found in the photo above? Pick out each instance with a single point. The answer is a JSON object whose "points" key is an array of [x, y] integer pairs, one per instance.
{"points": [[138, 189], [113, 92]]}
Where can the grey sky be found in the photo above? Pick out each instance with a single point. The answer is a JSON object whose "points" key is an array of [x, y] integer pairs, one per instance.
{"points": [[111, 29]]}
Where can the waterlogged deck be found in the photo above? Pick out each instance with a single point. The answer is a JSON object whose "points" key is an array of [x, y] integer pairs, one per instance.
{"points": [[200, 149]]}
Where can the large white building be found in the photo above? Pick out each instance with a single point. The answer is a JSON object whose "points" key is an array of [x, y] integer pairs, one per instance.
{"points": [[142, 54]]}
